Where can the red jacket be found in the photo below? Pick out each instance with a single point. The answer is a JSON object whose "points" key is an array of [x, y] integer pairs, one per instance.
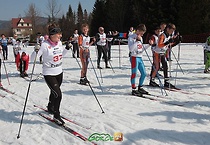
{"points": [[24, 57]]}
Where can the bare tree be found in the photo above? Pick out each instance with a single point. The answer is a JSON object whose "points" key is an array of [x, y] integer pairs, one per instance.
{"points": [[54, 9], [34, 14]]}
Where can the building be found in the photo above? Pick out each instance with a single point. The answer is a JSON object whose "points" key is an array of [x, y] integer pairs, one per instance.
{"points": [[22, 27]]}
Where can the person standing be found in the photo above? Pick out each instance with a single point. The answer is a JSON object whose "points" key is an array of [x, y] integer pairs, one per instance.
{"points": [[136, 48], [207, 55], [110, 38], [4, 42], [39, 40], [84, 44], [16, 45], [52, 52], [156, 57], [75, 44], [0, 65], [101, 47], [165, 42]]}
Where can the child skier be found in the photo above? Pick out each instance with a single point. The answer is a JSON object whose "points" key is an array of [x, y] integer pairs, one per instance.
{"points": [[156, 56], [22, 61], [207, 54], [136, 48], [84, 44], [164, 42]]}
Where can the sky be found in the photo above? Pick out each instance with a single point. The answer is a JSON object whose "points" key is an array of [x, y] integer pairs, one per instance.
{"points": [[14, 9]]}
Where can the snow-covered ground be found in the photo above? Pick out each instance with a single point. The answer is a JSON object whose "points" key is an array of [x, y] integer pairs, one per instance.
{"points": [[141, 121]]}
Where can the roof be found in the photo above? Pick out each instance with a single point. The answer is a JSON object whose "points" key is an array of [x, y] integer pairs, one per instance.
{"points": [[16, 21]]}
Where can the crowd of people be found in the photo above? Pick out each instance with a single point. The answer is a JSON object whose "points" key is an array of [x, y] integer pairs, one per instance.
{"points": [[50, 51]]}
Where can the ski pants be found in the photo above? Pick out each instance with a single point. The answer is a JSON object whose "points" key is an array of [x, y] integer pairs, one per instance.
{"points": [[84, 57], [157, 58], [54, 83], [101, 49], [5, 51], [75, 49], [137, 64], [207, 64]]}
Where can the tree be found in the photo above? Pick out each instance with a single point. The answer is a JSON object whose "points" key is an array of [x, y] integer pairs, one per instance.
{"points": [[98, 16], [34, 15], [54, 9], [80, 17]]}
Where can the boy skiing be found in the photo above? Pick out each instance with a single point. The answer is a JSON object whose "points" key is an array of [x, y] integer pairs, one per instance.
{"points": [[207, 54], [156, 57], [136, 48], [164, 42], [75, 44], [84, 44], [101, 47]]}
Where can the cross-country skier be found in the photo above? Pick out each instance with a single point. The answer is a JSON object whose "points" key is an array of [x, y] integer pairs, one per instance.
{"points": [[165, 41], [110, 38], [135, 44], [207, 54], [52, 52], [0, 65], [156, 57], [101, 47], [22, 62], [4, 41], [84, 42], [75, 44]]}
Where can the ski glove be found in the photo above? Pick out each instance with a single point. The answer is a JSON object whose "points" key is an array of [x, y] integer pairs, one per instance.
{"points": [[36, 48], [169, 41], [68, 45]]}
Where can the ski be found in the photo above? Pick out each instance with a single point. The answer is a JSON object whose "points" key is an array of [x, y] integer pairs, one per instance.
{"points": [[66, 128], [6, 90], [148, 97], [71, 121]]}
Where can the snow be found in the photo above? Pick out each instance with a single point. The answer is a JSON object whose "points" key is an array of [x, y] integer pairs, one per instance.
{"points": [[142, 121]]}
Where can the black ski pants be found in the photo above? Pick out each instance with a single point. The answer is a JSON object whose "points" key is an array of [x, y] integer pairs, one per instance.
{"points": [[54, 83]]}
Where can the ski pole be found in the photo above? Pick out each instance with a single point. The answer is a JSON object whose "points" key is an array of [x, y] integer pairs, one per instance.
{"points": [[177, 62], [96, 97], [29, 85], [161, 85], [75, 58], [108, 60], [119, 54], [96, 75], [5, 69]]}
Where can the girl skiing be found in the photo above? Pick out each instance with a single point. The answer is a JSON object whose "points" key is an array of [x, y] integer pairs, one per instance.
{"points": [[22, 61], [84, 44], [52, 52]]}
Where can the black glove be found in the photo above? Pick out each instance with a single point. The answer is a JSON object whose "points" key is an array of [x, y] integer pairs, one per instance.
{"points": [[153, 45], [68, 45], [169, 41]]}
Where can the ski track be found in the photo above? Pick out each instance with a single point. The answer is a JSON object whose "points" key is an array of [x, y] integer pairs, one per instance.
{"points": [[142, 121]]}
